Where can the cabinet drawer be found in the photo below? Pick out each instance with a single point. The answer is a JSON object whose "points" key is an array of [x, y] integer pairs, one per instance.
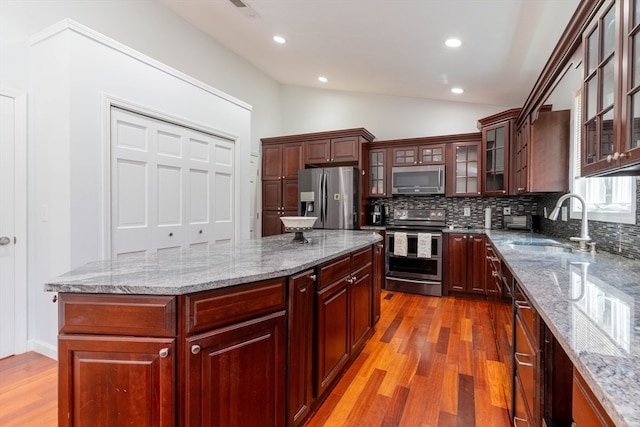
{"points": [[527, 313], [212, 309], [334, 270], [361, 258], [587, 411], [134, 315]]}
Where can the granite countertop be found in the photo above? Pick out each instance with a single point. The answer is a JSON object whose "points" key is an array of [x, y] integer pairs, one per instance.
{"points": [[184, 271], [591, 303]]}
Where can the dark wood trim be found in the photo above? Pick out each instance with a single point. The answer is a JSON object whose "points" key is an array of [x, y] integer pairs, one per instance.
{"points": [[499, 117], [362, 132], [561, 55], [439, 139]]}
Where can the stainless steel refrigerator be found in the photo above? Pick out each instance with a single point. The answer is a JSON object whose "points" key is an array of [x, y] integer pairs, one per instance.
{"points": [[331, 194]]}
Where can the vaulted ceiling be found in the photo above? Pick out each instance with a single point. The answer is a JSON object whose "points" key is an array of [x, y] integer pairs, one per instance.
{"points": [[391, 47]]}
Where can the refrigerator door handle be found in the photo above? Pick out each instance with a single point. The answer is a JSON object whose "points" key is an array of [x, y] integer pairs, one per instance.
{"points": [[325, 200], [319, 199]]}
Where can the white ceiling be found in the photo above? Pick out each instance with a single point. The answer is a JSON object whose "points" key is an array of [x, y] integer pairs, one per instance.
{"points": [[392, 47]]}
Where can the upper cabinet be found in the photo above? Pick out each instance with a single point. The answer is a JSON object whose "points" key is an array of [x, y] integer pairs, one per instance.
{"points": [[418, 155], [377, 166], [334, 150], [463, 168], [496, 139], [540, 154], [611, 91]]}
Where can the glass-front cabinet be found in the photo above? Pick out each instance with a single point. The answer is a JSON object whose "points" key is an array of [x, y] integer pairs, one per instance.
{"points": [[497, 137], [611, 90], [418, 155], [378, 173], [463, 171]]}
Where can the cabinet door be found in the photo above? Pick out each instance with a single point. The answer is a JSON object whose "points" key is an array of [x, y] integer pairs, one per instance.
{"points": [[587, 410], [272, 162], [291, 160], [290, 195], [271, 195], [476, 264], [332, 335], [379, 173], [300, 342], [496, 154], [378, 278], [345, 149], [463, 169], [360, 291], [521, 159], [115, 381], [317, 152], [458, 262], [271, 224], [629, 150], [235, 376], [404, 156], [431, 154]]}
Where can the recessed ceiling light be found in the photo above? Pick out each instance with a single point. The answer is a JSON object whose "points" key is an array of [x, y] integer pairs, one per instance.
{"points": [[453, 43], [279, 39], [323, 79], [457, 90]]}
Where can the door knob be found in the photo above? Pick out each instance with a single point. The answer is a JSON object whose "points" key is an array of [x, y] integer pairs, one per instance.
{"points": [[4, 240]]}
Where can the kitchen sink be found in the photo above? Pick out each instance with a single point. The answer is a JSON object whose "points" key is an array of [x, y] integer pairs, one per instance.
{"points": [[539, 247]]}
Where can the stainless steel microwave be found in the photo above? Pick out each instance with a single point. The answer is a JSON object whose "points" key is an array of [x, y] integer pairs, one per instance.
{"points": [[417, 180]]}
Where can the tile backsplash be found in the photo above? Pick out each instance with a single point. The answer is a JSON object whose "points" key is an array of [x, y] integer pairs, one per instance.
{"points": [[620, 239]]}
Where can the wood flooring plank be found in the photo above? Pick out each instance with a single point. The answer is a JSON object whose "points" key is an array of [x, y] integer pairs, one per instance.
{"points": [[449, 400], [366, 396], [466, 401], [496, 379], [443, 340], [415, 405], [446, 419], [395, 409]]}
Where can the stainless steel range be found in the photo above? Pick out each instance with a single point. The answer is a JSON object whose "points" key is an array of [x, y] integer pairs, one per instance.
{"points": [[414, 251]]}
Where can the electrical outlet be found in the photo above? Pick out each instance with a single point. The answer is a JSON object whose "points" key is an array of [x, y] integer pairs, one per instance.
{"points": [[506, 211], [564, 213], [467, 211]]}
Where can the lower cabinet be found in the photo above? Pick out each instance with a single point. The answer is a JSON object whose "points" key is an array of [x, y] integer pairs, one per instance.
{"points": [[343, 313], [587, 411], [466, 263], [116, 381], [300, 324], [235, 375], [378, 279]]}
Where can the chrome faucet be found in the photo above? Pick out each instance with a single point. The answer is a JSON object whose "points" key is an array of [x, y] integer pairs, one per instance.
{"points": [[584, 227]]}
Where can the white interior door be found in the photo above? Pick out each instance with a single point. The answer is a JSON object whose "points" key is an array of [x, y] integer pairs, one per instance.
{"points": [[171, 186], [7, 227]]}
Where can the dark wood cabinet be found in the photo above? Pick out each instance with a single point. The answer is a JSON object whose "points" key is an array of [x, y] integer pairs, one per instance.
{"points": [[463, 169], [116, 380], [377, 166], [300, 324], [235, 375], [418, 155], [378, 278], [541, 154], [334, 150], [280, 165], [611, 91], [343, 313], [587, 410], [466, 263], [497, 134]]}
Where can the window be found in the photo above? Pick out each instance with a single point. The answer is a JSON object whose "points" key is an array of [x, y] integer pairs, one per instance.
{"points": [[609, 199]]}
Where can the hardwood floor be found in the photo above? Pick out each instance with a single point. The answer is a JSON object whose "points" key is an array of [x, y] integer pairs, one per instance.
{"points": [[432, 362], [28, 391]]}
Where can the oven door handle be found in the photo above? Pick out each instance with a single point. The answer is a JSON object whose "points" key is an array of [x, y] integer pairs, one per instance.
{"points": [[391, 233]]}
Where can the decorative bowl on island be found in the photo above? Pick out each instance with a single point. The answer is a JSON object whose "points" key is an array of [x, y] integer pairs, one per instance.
{"points": [[298, 224]]}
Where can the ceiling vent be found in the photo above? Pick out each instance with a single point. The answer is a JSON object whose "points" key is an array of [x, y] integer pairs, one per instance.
{"points": [[244, 8]]}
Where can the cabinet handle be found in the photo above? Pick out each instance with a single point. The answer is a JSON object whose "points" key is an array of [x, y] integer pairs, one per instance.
{"points": [[195, 349], [494, 273], [522, 305], [164, 352], [520, 188], [493, 258], [313, 277], [520, 362]]}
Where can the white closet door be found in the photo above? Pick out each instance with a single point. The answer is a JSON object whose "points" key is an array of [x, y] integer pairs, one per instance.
{"points": [[7, 227], [171, 186]]}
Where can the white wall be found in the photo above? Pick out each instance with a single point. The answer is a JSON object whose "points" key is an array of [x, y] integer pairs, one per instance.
{"points": [[151, 29], [387, 117]]}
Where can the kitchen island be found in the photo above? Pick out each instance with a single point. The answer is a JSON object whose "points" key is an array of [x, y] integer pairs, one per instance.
{"points": [[590, 303], [253, 332]]}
